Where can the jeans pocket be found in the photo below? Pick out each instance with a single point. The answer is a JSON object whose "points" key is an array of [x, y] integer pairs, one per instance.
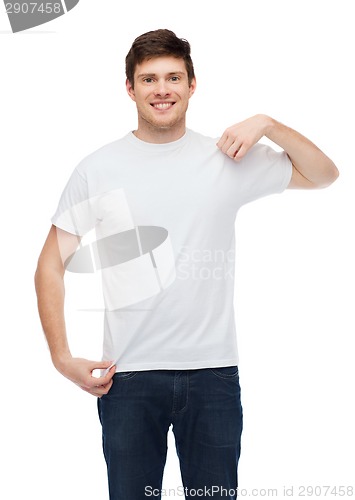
{"points": [[226, 372], [116, 379], [123, 375]]}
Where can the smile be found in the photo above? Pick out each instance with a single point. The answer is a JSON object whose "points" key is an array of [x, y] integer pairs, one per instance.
{"points": [[163, 105]]}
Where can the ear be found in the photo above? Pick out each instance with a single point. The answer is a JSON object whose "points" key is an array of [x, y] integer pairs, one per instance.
{"points": [[130, 90], [192, 87]]}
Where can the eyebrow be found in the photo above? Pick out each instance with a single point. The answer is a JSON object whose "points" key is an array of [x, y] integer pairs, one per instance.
{"points": [[148, 75]]}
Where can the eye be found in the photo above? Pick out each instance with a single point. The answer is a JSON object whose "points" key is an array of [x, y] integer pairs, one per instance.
{"points": [[175, 78], [148, 80]]}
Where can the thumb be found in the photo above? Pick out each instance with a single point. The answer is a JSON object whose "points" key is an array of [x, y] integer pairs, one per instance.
{"points": [[104, 364]]}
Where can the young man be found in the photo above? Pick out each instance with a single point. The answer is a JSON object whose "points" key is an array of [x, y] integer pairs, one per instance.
{"points": [[163, 201]]}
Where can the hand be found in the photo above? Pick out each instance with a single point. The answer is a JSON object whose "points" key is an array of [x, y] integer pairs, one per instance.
{"points": [[239, 138], [80, 371]]}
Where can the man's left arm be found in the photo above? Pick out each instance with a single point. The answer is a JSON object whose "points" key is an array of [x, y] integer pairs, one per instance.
{"points": [[311, 168]]}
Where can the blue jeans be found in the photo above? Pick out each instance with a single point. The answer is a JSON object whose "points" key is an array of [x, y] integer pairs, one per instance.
{"points": [[204, 408]]}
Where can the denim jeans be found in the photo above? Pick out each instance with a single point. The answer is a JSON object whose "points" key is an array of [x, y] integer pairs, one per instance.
{"points": [[204, 408]]}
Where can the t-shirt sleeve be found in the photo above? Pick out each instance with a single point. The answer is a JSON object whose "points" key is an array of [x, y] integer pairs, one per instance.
{"points": [[263, 171], [76, 210]]}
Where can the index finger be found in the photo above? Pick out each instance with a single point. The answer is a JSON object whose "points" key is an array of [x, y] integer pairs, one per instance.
{"points": [[222, 139]]}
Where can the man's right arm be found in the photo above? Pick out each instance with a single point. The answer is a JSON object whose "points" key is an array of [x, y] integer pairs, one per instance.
{"points": [[49, 282]]}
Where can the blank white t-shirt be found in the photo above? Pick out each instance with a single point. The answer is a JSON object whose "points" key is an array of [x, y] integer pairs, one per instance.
{"points": [[164, 220]]}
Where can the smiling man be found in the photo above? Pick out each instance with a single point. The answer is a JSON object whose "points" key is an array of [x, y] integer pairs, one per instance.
{"points": [[163, 201], [161, 89]]}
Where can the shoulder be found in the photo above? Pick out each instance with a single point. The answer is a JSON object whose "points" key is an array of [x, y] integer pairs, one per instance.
{"points": [[107, 153], [258, 154], [201, 139], [205, 148]]}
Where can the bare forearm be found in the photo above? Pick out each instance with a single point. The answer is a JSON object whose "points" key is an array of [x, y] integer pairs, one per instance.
{"points": [[306, 157], [50, 295], [49, 284]]}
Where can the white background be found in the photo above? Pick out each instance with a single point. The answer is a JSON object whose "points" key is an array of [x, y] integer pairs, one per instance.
{"points": [[62, 96]]}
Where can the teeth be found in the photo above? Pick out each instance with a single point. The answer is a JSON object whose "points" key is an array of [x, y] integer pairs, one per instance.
{"points": [[163, 105]]}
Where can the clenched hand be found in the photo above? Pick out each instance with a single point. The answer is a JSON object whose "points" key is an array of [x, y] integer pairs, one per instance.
{"points": [[239, 138], [80, 371]]}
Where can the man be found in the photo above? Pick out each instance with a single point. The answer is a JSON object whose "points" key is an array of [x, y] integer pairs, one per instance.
{"points": [[163, 201]]}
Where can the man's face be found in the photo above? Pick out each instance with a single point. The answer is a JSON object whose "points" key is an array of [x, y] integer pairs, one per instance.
{"points": [[161, 93]]}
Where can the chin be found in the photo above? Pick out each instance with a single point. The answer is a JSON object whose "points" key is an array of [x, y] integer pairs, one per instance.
{"points": [[165, 125]]}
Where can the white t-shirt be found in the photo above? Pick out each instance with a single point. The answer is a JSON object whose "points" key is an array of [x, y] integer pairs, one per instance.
{"points": [[164, 219]]}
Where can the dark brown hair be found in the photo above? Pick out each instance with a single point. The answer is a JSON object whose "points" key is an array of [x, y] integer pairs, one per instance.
{"points": [[156, 44]]}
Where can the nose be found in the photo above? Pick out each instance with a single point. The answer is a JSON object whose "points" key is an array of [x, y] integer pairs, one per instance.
{"points": [[162, 88]]}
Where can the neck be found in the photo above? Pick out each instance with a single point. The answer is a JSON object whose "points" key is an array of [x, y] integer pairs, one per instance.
{"points": [[149, 133]]}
